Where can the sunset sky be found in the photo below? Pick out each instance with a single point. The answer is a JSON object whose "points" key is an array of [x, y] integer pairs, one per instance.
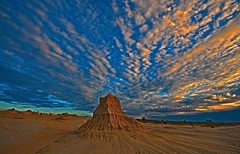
{"points": [[164, 59]]}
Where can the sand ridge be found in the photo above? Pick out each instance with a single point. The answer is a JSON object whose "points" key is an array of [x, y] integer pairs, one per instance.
{"points": [[108, 120]]}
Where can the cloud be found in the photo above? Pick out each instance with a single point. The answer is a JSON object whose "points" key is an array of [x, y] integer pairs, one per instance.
{"points": [[224, 106], [159, 57]]}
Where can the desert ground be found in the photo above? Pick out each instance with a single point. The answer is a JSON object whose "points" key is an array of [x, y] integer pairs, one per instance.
{"points": [[32, 132]]}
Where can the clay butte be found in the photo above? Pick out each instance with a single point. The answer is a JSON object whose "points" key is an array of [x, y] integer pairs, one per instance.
{"points": [[109, 119]]}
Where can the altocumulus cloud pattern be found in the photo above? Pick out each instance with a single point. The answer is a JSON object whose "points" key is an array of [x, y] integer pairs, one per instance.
{"points": [[160, 57]]}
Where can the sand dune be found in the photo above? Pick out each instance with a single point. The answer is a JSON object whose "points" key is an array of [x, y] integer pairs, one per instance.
{"points": [[21, 133], [109, 131], [108, 120]]}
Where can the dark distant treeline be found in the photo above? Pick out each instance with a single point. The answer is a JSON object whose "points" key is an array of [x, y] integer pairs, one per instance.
{"points": [[207, 123]]}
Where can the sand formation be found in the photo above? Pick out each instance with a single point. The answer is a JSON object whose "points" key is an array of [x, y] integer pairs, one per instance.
{"points": [[108, 119], [21, 132]]}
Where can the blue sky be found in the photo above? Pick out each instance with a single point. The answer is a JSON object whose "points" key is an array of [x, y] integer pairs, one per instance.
{"points": [[162, 58]]}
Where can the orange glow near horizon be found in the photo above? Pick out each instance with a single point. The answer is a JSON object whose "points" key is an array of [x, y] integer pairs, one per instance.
{"points": [[223, 106]]}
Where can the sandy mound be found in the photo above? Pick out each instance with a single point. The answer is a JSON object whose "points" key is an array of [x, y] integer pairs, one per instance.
{"points": [[44, 133], [108, 119]]}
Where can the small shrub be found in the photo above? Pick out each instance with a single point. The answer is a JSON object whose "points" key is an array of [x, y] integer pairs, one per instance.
{"points": [[209, 123], [59, 118]]}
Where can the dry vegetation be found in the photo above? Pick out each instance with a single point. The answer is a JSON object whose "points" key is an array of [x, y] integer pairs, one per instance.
{"points": [[207, 123]]}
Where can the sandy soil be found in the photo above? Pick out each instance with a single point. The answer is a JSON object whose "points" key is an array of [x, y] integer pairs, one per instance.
{"points": [[34, 133]]}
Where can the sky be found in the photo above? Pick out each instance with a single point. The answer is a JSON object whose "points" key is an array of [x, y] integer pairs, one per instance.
{"points": [[164, 59]]}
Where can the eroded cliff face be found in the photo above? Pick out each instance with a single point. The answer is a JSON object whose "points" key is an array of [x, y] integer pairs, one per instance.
{"points": [[108, 119]]}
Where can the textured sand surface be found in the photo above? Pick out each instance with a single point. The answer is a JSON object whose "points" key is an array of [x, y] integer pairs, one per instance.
{"points": [[26, 132], [34, 133], [158, 139]]}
